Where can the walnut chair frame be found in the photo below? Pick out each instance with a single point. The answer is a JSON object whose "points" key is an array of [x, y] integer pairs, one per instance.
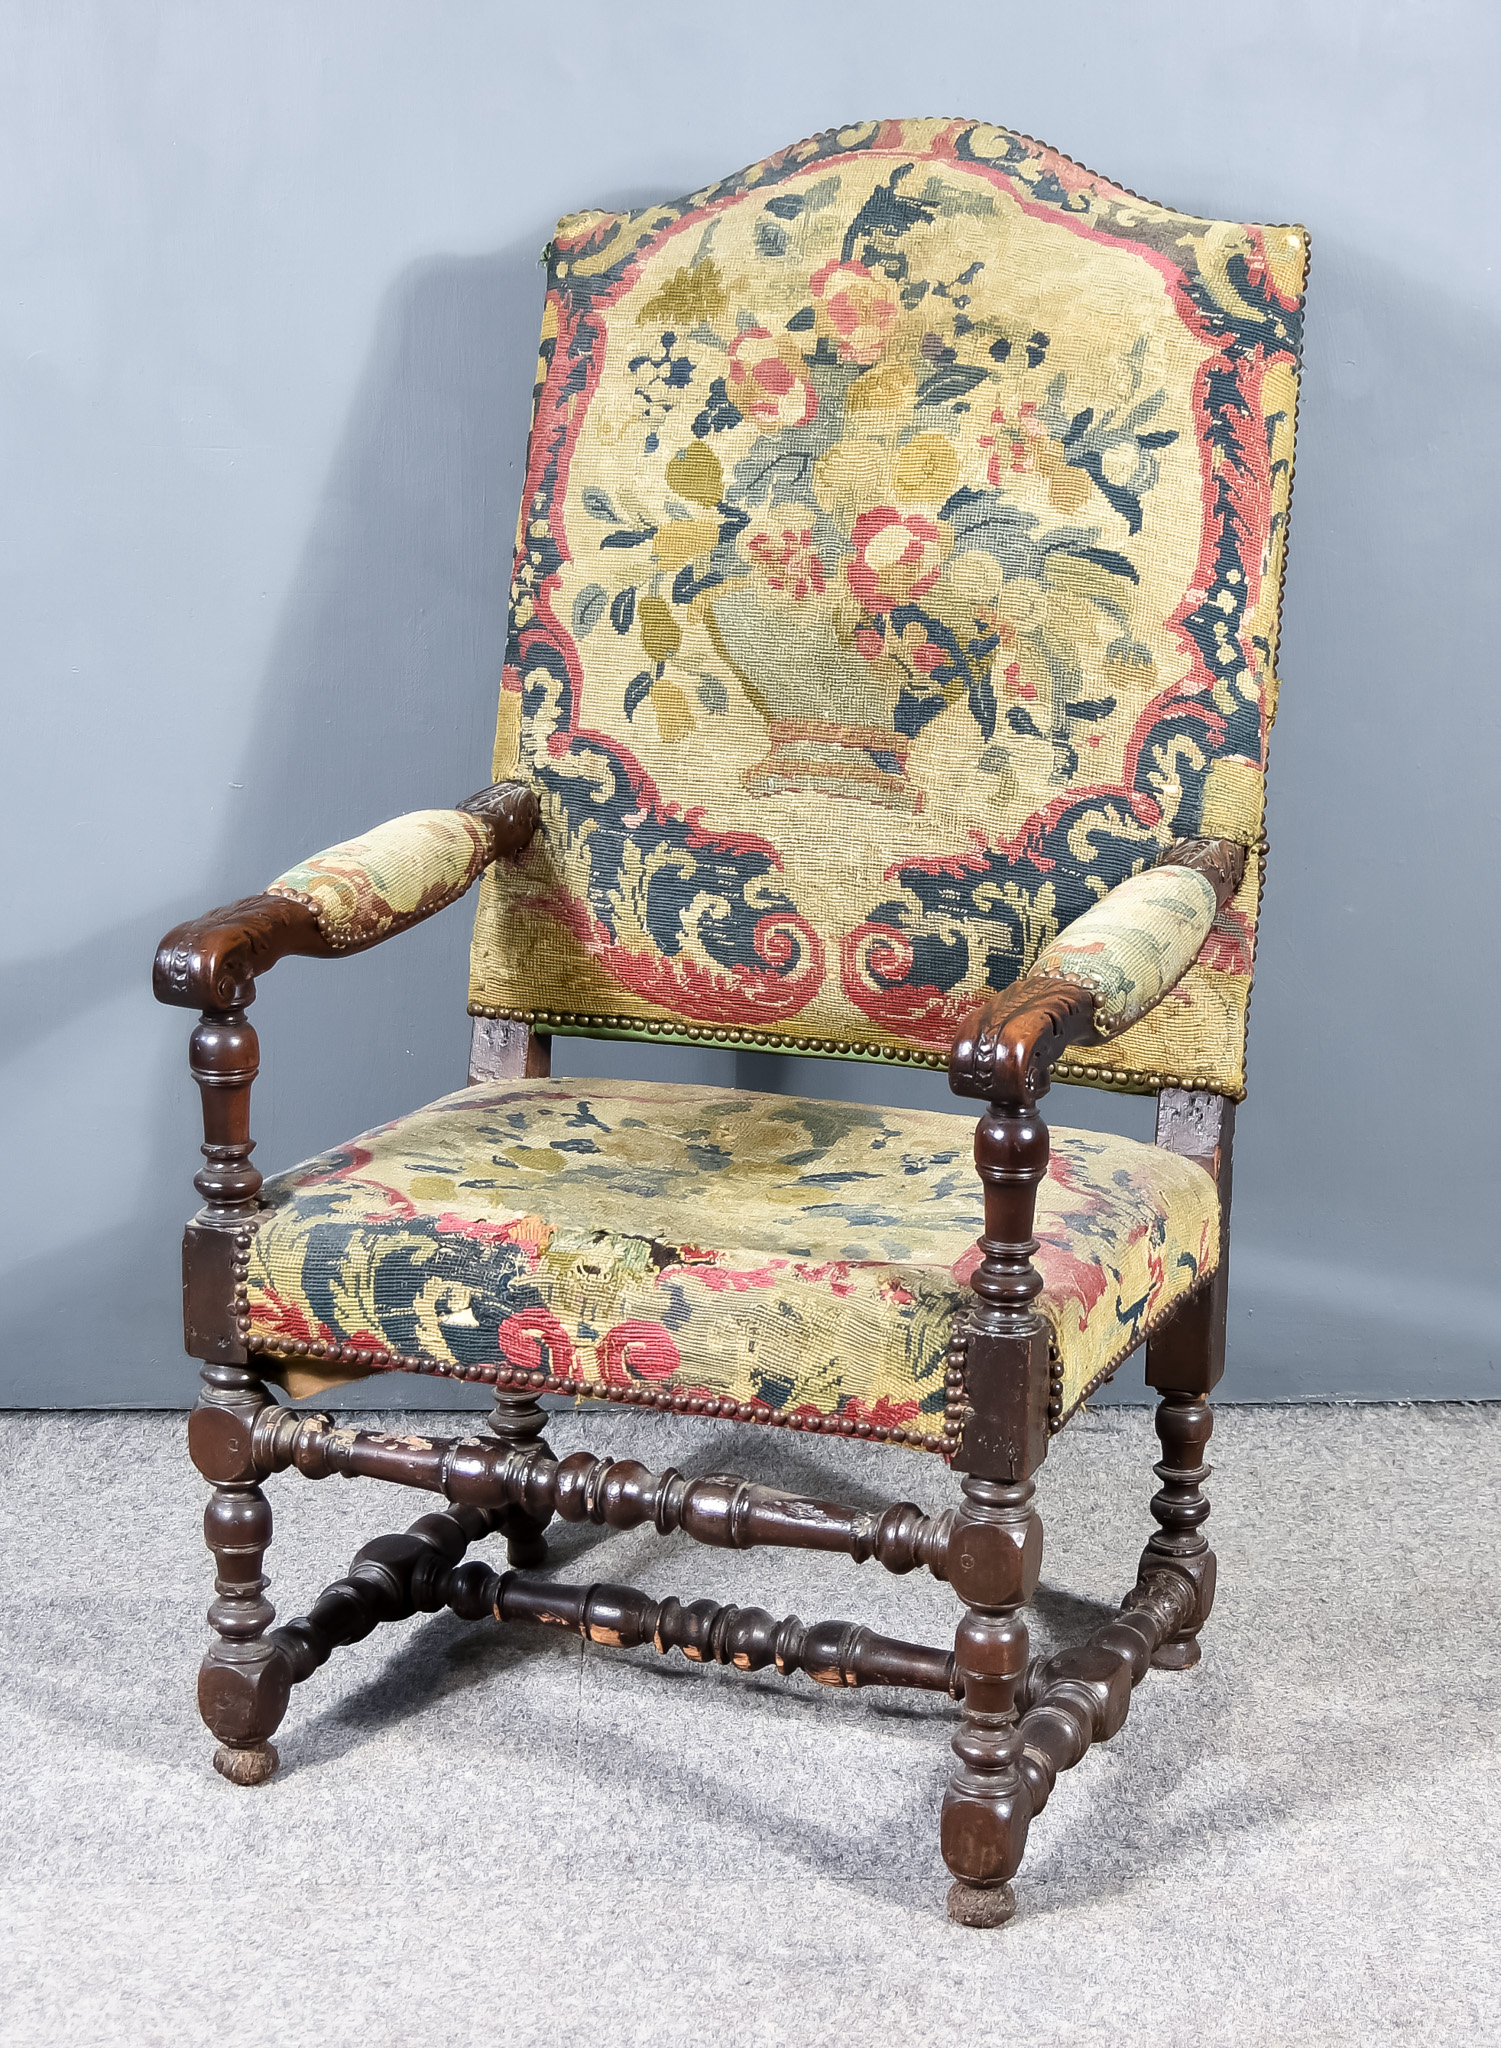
{"points": [[1024, 1719]]}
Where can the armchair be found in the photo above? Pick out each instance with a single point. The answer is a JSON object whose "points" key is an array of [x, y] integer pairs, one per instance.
{"points": [[892, 654]]}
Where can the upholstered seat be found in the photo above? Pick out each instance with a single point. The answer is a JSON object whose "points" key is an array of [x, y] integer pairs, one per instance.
{"points": [[794, 1261]]}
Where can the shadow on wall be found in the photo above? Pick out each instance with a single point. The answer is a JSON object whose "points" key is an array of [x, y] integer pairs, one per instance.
{"points": [[379, 697]]}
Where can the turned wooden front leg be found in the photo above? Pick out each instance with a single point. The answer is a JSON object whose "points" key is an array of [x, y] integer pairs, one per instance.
{"points": [[988, 1808], [244, 1681], [995, 1552]]}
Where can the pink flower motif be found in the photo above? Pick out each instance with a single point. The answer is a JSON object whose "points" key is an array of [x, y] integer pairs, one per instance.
{"points": [[788, 560], [638, 1351], [835, 1275], [726, 1280], [769, 380], [897, 557], [887, 1413], [856, 309], [534, 1338], [1013, 445]]}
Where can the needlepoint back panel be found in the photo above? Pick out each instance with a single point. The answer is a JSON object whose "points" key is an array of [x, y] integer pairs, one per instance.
{"points": [[898, 569]]}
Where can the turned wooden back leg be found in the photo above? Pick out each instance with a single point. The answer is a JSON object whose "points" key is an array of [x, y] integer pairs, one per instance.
{"points": [[500, 1049], [519, 1420], [1185, 1361]]}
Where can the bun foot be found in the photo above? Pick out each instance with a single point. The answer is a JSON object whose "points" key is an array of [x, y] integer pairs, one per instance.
{"points": [[250, 1766], [973, 1905], [1181, 1655]]}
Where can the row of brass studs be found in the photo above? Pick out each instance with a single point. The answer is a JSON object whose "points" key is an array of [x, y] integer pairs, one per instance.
{"points": [[1055, 1392], [955, 1405], [340, 941], [765, 1041], [770, 1041], [240, 1274], [1147, 1084], [711, 1406]]}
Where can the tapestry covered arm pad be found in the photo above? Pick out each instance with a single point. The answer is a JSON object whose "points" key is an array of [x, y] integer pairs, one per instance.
{"points": [[1103, 972], [364, 889], [1135, 944], [343, 900]]}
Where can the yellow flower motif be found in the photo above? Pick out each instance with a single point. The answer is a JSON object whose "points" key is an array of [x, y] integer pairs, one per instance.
{"points": [[926, 470], [661, 635], [851, 478], [1068, 488], [695, 473], [675, 718], [889, 387], [688, 297], [682, 541]]}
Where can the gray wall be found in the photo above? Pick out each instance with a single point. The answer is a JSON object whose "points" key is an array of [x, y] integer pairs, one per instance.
{"points": [[267, 327]]}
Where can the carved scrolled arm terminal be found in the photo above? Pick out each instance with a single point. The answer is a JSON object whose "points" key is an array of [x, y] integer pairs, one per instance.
{"points": [[1006, 1048], [510, 810], [1221, 861], [211, 962]]}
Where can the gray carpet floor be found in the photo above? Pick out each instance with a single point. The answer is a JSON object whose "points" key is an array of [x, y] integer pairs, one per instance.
{"points": [[483, 1838]]}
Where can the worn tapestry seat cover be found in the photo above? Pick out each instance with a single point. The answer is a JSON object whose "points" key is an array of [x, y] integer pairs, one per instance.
{"points": [[898, 570], [800, 1260]]}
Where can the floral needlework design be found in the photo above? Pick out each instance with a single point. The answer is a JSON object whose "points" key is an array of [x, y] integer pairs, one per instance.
{"points": [[898, 570], [364, 888], [1136, 943], [804, 1258]]}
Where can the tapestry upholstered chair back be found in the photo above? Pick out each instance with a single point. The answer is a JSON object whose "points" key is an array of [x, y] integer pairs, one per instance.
{"points": [[892, 653], [898, 570]]}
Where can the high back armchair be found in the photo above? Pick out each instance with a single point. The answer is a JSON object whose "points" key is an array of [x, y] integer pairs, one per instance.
{"points": [[893, 649]]}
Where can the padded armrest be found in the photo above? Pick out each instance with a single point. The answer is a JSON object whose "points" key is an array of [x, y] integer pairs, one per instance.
{"points": [[1133, 945], [1107, 969], [345, 899], [363, 890]]}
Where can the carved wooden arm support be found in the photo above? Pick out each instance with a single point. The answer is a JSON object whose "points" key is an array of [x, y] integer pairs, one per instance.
{"points": [[1075, 995], [999, 1380], [211, 962], [342, 901]]}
